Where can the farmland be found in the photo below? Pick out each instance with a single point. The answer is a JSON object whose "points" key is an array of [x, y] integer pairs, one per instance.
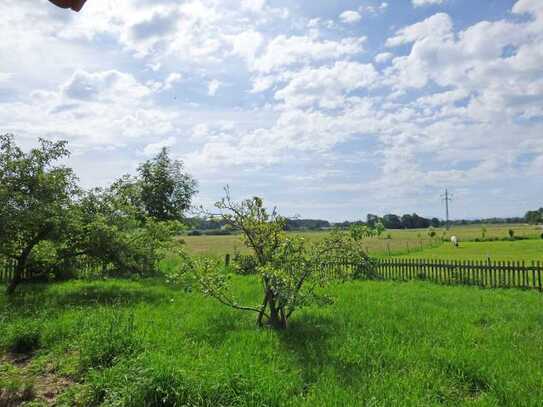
{"points": [[146, 343], [400, 242]]}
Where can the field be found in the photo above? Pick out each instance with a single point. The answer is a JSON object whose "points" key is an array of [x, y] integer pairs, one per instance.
{"points": [[521, 250], [401, 242], [122, 343]]}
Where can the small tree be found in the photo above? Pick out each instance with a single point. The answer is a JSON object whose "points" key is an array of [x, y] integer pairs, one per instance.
{"points": [[432, 232], [166, 189], [483, 233], [511, 234], [290, 270], [379, 228], [34, 196]]}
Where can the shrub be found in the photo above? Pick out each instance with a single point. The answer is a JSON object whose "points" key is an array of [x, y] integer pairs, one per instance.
{"points": [[194, 233], [244, 264]]}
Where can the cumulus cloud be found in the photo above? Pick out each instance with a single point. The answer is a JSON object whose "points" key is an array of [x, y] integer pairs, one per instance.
{"points": [[285, 51], [213, 86], [383, 57], [326, 86], [438, 26], [419, 3], [153, 149], [350, 17]]}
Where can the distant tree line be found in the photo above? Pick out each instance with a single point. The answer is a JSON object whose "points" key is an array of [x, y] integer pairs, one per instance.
{"points": [[213, 226], [534, 217]]}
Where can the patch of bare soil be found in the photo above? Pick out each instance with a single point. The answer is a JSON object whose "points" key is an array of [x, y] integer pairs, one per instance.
{"points": [[45, 386]]}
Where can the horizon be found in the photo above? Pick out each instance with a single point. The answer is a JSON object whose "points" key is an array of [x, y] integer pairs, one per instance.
{"points": [[331, 111]]}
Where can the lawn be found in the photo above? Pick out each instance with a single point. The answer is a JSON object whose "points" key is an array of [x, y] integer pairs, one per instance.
{"points": [[400, 242], [520, 250], [122, 343]]}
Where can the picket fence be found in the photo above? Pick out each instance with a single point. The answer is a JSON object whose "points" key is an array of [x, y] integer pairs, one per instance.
{"points": [[486, 274]]}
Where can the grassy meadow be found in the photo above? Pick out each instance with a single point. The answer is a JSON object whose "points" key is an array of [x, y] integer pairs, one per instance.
{"points": [[400, 242], [130, 343], [520, 250]]}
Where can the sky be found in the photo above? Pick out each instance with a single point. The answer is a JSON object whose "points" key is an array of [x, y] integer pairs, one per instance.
{"points": [[326, 109]]}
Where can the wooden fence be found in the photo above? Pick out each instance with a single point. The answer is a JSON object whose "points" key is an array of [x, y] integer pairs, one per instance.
{"points": [[7, 271], [490, 274]]}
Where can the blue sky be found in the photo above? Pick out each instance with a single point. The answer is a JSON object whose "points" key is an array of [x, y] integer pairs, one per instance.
{"points": [[328, 109]]}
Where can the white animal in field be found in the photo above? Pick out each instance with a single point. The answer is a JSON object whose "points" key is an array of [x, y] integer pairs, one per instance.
{"points": [[454, 241]]}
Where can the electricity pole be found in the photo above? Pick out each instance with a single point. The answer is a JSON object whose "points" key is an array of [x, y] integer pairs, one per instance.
{"points": [[446, 198]]}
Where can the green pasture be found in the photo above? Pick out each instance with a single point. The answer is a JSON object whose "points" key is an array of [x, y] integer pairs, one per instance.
{"points": [[121, 343], [400, 242], [520, 250]]}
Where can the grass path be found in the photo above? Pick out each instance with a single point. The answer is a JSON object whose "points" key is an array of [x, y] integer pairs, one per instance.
{"points": [[143, 343]]}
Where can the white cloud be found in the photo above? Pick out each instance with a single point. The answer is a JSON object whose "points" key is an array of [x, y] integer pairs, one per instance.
{"points": [[153, 149], [437, 26], [284, 51], [213, 86], [326, 86], [350, 17], [419, 3], [383, 57]]}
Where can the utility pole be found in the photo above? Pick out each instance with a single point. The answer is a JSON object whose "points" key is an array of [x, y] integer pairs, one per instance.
{"points": [[446, 198]]}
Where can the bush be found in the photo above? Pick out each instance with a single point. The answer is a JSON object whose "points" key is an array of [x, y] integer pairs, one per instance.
{"points": [[244, 264], [194, 233], [23, 337]]}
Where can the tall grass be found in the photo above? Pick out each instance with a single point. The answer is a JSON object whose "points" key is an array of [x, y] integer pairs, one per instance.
{"points": [[147, 344]]}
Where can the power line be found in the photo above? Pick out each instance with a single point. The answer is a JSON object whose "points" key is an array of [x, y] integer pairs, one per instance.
{"points": [[446, 198]]}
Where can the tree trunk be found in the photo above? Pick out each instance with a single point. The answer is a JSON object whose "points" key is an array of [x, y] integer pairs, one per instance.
{"points": [[277, 320], [262, 311], [17, 278]]}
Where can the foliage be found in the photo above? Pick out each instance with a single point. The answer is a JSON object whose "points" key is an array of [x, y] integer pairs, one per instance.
{"points": [[34, 195], [244, 264], [50, 227], [360, 231], [290, 270], [534, 217], [432, 232], [166, 189], [107, 229], [511, 233]]}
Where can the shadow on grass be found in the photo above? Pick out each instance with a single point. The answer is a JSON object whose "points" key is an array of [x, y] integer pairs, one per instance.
{"points": [[307, 339], [39, 296], [219, 326]]}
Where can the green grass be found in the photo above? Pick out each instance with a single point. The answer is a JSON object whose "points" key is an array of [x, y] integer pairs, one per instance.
{"points": [[143, 343], [402, 241], [520, 250]]}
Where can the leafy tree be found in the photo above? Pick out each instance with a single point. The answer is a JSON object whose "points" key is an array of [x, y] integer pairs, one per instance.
{"points": [[290, 270], [435, 223], [371, 220], [483, 233], [534, 217], [105, 228], [431, 232], [392, 221], [379, 228], [166, 189], [34, 196]]}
